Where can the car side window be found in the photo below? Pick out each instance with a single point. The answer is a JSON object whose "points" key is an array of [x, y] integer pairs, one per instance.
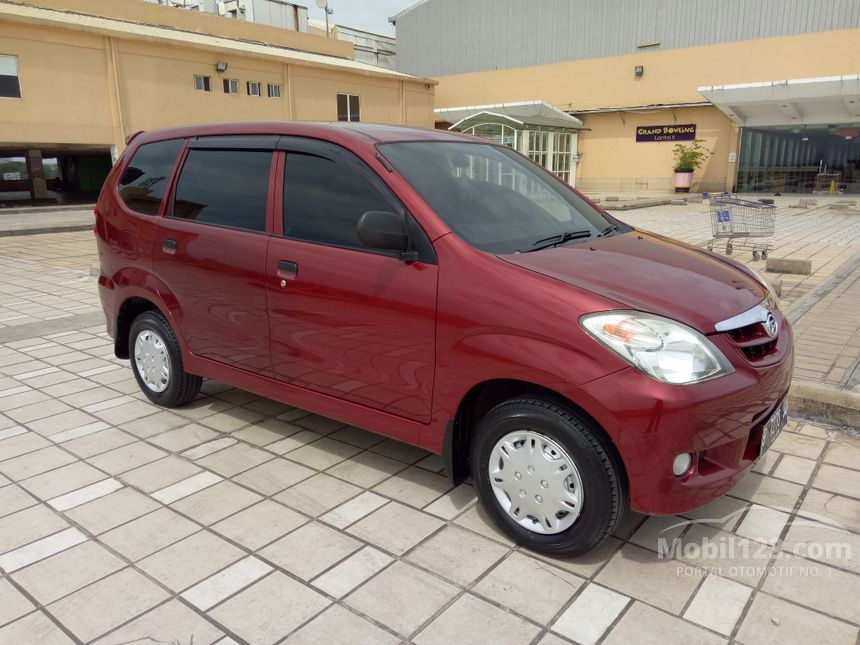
{"points": [[325, 197], [144, 180], [224, 188]]}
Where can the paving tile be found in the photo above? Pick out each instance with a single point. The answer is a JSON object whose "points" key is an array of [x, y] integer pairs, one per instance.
{"points": [[323, 453], [458, 555], [61, 574], [767, 491], [366, 469], [84, 495], [414, 486], [273, 476], [772, 621], [62, 423], [80, 431], [400, 451], [184, 437], [823, 543], [107, 512], [293, 442], [260, 436], [12, 431], [640, 573], [799, 445], [844, 452], [454, 502], [346, 576], [149, 533], [832, 509], [320, 424], [718, 604], [318, 494], [154, 424], [260, 524], [34, 628], [189, 561], [206, 449], [270, 609], [835, 479], [477, 520], [13, 604], [357, 437], [796, 469], [127, 457], [159, 474], [762, 524], [472, 620], [529, 586], [591, 614], [98, 442], [14, 498], [34, 463], [740, 559], [649, 626], [171, 622], [186, 487], [103, 605], [816, 585], [216, 502], [339, 625], [231, 420], [28, 525], [310, 550], [225, 583], [402, 597], [235, 459], [353, 510], [395, 527], [45, 547], [657, 528]]}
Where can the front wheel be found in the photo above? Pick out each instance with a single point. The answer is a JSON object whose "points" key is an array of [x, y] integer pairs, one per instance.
{"points": [[547, 476], [156, 360]]}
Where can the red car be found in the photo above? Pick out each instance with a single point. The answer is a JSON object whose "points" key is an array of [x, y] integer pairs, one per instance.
{"points": [[447, 292]]}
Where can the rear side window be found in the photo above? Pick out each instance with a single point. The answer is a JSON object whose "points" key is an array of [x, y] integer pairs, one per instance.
{"points": [[224, 188], [324, 199], [144, 180]]}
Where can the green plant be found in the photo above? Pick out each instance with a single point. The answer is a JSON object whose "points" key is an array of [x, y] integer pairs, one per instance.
{"points": [[690, 157]]}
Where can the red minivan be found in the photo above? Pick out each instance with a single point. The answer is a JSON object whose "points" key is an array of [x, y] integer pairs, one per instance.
{"points": [[445, 291]]}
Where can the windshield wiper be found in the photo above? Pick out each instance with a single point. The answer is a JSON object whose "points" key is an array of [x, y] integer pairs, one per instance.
{"points": [[609, 229], [555, 240]]}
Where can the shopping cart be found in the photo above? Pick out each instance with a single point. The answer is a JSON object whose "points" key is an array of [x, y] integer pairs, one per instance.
{"points": [[741, 222]]}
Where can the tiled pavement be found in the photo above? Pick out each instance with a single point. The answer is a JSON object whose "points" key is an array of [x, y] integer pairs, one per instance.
{"points": [[241, 519]]}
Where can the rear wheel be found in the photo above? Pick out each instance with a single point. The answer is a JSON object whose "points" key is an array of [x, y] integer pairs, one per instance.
{"points": [[547, 477], [156, 360]]}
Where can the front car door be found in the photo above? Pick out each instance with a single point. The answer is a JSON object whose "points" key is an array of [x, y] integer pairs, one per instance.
{"points": [[347, 321], [210, 250]]}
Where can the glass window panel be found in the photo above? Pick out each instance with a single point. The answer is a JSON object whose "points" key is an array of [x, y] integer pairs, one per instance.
{"points": [[144, 180]]}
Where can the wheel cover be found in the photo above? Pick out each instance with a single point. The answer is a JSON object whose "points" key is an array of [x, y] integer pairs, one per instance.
{"points": [[535, 482], [152, 360]]}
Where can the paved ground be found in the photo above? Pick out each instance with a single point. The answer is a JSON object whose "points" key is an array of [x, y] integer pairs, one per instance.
{"points": [[240, 518], [28, 221]]}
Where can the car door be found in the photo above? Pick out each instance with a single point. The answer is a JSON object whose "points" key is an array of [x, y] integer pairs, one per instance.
{"points": [[210, 250], [345, 320]]}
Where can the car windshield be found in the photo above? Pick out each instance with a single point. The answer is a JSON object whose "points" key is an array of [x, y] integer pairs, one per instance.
{"points": [[493, 198]]}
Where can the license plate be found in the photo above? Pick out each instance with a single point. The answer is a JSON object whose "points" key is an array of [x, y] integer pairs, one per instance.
{"points": [[773, 426]]}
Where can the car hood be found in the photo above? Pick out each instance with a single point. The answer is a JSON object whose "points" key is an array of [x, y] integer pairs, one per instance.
{"points": [[651, 273]]}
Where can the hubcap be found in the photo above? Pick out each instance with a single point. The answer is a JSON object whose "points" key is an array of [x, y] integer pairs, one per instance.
{"points": [[535, 482], [152, 360]]}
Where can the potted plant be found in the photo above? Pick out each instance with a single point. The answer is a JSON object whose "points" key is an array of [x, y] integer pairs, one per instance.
{"points": [[687, 159]]}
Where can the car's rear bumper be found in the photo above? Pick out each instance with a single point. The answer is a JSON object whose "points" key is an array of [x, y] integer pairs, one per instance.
{"points": [[720, 422]]}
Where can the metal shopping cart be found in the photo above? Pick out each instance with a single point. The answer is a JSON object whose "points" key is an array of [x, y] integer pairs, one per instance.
{"points": [[740, 222]]}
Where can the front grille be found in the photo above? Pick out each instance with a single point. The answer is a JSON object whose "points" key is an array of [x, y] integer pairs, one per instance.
{"points": [[753, 341]]}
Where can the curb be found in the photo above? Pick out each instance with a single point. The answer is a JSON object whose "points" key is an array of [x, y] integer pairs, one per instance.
{"points": [[56, 208], [47, 229], [824, 403]]}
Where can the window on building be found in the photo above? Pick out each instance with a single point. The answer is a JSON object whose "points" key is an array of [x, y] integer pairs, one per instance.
{"points": [[202, 83], [231, 85], [538, 150], [144, 180], [224, 188], [10, 86], [324, 199], [13, 168], [348, 108], [274, 91], [253, 88], [562, 153]]}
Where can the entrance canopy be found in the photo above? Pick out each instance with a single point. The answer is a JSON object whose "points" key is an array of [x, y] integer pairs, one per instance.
{"points": [[796, 102], [521, 115]]}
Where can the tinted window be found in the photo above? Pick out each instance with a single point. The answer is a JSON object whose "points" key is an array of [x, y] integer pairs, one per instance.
{"points": [[224, 187], [324, 199], [144, 180], [492, 197]]}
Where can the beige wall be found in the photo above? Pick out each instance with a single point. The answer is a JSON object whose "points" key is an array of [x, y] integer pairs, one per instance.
{"points": [[85, 88], [612, 160]]}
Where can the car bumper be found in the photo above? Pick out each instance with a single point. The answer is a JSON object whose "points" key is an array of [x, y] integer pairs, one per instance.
{"points": [[719, 422]]}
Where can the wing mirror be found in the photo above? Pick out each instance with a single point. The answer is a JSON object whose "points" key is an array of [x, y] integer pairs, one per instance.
{"points": [[383, 230]]}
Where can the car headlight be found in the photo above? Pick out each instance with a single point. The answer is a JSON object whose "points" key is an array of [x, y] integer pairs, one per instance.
{"points": [[664, 349]]}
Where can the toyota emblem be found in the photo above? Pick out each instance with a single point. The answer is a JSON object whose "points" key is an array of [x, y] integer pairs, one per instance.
{"points": [[770, 325]]}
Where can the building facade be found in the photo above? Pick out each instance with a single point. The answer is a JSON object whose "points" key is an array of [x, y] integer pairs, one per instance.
{"points": [[771, 87], [275, 13], [77, 77], [368, 47]]}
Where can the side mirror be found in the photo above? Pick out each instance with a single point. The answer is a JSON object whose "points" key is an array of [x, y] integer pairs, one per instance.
{"points": [[382, 230]]}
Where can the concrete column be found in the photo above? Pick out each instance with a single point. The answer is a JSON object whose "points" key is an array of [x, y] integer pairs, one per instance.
{"points": [[36, 175]]}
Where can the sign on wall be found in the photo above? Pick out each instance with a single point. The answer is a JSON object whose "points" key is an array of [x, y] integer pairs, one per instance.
{"points": [[686, 132]]}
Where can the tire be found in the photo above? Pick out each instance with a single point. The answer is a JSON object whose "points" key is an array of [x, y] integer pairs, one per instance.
{"points": [[755, 256], [764, 255], [157, 362], [601, 480]]}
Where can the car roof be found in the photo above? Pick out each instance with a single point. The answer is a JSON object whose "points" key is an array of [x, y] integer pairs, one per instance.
{"points": [[363, 133]]}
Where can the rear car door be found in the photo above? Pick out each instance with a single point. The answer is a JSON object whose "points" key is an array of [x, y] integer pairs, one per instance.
{"points": [[348, 321], [210, 249]]}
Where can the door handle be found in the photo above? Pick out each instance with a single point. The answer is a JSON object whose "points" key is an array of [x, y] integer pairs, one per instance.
{"points": [[287, 271], [169, 245]]}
